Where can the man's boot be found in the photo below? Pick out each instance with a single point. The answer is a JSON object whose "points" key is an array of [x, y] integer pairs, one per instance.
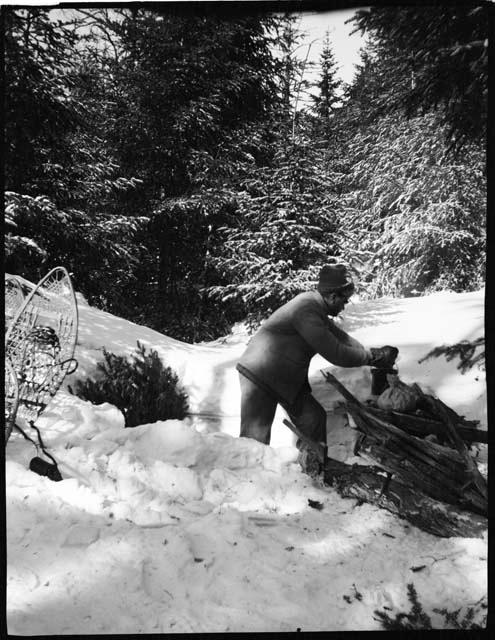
{"points": [[309, 460]]}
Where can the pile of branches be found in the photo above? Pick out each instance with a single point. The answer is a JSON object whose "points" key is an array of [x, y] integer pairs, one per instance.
{"points": [[435, 485]]}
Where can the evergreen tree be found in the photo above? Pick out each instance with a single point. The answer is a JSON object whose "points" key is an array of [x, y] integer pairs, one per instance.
{"points": [[417, 213], [415, 217], [60, 173], [142, 388], [127, 123], [186, 80], [328, 98], [292, 66], [189, 83], [286, 227], [288, 40], [280, 204], [371, 82], [39, 101], [443, 53]]}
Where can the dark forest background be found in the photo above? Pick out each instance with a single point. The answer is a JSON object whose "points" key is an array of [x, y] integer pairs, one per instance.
{"points": [[181, 167]]}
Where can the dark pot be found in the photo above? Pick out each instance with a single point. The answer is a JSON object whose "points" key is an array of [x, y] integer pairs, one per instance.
{"points": [[379, 380]]}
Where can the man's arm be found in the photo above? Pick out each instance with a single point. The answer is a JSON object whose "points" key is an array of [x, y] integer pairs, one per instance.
{"points": [[335, 346], [344, 337]]}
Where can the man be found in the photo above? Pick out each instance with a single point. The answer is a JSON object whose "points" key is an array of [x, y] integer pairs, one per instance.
{"points": [[274, 368]]}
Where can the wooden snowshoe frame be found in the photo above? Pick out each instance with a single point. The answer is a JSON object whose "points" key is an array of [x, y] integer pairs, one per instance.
{"points": [[11, 397], [14, 298], [40, 342]]}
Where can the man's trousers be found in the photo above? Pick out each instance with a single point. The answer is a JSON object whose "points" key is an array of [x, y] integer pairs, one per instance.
{"points": [[258, 408]]}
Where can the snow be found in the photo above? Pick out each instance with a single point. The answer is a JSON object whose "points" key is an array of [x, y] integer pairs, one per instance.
{"points": [[181, 526]]}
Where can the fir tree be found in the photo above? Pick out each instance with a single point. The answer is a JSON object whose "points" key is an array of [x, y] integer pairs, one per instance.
{"points": [[293, 64], [142, 388], [329, 85], [284, 230], [442, 54]]}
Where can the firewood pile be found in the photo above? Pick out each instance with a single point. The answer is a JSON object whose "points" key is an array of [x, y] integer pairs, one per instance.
{"points": [[426, 461]]}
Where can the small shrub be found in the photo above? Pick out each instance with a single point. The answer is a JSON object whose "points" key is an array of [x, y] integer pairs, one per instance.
{"points": [[142, 388], [415, 619], [474, 618]]}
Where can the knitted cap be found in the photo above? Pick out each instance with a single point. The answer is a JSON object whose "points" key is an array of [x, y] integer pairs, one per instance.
{"points": [[334, 277]]}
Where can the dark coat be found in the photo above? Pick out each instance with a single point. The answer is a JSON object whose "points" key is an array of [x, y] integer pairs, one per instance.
{"points": [[279, 354]]}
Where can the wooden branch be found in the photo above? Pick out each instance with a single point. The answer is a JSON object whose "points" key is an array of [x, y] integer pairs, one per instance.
{"points": [[102, 24], [441, 469], [320, 448], [340, 387], [364, 484], [450, 429], [421, 426], [377, 427], [455, 417], [437, 454], [448, 416]]}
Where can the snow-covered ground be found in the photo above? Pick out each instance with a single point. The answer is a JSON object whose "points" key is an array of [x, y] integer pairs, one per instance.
{"points": [[181, 526]]}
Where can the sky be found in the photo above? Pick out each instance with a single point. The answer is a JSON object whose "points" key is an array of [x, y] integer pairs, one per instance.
{"points": [[345, 46]]}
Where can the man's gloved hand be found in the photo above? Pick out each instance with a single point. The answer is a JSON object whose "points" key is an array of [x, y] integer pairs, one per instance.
{"points": [[383, 357]]}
